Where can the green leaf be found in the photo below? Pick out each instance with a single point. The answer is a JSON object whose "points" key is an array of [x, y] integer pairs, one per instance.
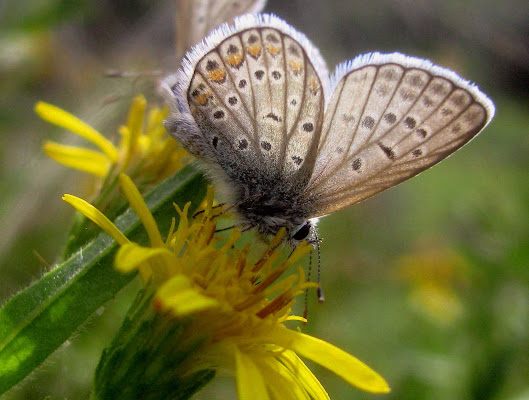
{"points": [[36, 321]]}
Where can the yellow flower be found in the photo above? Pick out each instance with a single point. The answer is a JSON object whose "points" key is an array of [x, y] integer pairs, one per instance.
{"points": [[433, 274], [236, 308], [144, 151]]}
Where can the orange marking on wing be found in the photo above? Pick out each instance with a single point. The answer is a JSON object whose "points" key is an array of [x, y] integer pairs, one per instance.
{"points": [[295, 66], [235, 59], [274, 50], [217, 75], [254, 49]]}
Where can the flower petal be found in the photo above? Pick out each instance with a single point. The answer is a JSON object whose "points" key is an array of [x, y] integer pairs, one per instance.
{"points": [[250, 382], [182, 298], [64, 119], [346, 366], [131, 256], [92, 213], [138, 205], [86, 160], [281, 382], [298, 368]]}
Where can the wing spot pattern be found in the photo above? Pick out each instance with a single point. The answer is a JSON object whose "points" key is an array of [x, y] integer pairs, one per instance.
{"points": [[421, 132], [273, 50], [368, 122], [410, 122], [416, 81], [458, 99], [357, 164], [390, 75], [382, 90], [276, 75], [308, 127], [407, 95], [295, 66], [293, 50], [242, 83], [259, 74], [274, 117], [218, 114], [437, 88], [272, 38], [254, 48], [314, 86], [349, 119], [456, 128], [390, 118], [235, 58], [215, 73], [445, 112], [427, 101], [417, 153], [297, 160], [266, 145], [243, 144], [388, 151]]}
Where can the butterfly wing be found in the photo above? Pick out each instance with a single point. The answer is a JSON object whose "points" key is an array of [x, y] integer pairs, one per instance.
{"points": [[249, 100], [197, 18], [389, 118]]}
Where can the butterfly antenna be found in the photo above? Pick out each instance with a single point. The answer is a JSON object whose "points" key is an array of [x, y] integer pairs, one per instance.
{"points": [[306, 302], [321, 297]]}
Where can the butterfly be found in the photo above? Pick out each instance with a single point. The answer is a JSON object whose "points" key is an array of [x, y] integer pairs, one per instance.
{"points": [[196, 18], [288, 144]]}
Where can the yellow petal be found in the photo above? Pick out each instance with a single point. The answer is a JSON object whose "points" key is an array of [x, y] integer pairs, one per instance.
{"points": [[59, 117], [138, 205], [92, 213], [298, 368], [346, 366], [131, 256], [85, 160], [250, 382], [182, 298], [281, 383]]}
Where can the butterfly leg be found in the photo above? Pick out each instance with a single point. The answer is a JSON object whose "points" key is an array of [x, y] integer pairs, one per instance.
{"points": [[213, 208]]}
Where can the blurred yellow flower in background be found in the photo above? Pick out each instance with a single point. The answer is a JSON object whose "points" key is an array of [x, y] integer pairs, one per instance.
{"points": [[434, 273]]}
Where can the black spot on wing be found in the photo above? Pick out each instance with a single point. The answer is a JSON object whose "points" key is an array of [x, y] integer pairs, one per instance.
{"points": [[388, 151], [357, 164], [266, 145]]}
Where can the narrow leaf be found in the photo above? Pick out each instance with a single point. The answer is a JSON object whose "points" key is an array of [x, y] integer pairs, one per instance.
{"points": [[36, 321]]}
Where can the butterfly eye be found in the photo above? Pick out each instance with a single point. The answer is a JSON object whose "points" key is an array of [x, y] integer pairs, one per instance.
{"points": [[302, 232]]}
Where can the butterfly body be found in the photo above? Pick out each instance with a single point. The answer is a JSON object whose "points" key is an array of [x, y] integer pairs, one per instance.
{"points": [[289, 144]]}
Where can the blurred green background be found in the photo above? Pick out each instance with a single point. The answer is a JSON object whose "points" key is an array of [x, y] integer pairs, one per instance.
{"points": [[428, 282]]}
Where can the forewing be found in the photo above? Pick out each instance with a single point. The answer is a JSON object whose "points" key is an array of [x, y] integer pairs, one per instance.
{"points": [[197, 18], [257, 100], [389, 118]]}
